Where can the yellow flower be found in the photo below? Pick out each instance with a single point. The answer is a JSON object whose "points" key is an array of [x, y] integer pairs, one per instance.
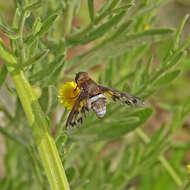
{"points": [[147, 27], [188, 168], [68, 94]]}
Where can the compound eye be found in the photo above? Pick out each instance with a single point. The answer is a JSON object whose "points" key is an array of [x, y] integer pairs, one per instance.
{"points": [[76, 78]]}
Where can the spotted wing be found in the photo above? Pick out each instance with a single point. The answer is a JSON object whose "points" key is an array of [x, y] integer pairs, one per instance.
{"points": [[78, 112], [121, 97]]}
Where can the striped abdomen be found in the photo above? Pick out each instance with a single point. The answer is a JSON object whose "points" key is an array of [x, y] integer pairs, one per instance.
{"points": [[98, 104]]}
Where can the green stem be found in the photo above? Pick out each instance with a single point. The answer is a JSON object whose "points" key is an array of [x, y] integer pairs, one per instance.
{"points": [[162, 159], [68, 16], [61, 125], [20, 32], [171, 171], [21, 25], [37, 119]]}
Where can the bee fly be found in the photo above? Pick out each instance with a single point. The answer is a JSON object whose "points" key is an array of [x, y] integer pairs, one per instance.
{"points": [[94, 97]]}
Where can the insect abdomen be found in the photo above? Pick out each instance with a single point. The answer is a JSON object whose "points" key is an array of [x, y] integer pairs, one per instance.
{"points": [[98, 105]]}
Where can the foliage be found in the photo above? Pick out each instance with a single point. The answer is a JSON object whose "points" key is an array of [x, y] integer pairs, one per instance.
{"points": [[101, 153]]}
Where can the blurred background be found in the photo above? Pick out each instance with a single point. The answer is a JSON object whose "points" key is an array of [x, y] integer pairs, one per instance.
{"points": [[169, 15]]}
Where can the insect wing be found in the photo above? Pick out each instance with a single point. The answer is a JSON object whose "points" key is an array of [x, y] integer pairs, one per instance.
{"points": [[114, 95], [78, 112]]}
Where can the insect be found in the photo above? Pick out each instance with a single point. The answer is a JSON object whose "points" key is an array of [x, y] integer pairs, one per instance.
{"points": [[94, 97]]}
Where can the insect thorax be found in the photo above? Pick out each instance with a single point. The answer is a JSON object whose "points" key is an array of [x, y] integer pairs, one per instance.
{"points": [[98, 104]]}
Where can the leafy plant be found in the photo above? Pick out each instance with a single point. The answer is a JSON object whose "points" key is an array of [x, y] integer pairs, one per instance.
{"points": [[100, 153]]}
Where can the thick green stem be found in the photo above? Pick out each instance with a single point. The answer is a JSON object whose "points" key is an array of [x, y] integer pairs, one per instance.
{"points": [[37, 119]]}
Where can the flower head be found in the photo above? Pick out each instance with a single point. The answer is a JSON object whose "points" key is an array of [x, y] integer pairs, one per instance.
{"points": [[68, 94], [147, 27], [188, 168]]}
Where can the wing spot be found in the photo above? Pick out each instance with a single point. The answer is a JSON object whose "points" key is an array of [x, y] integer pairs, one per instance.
{"points": [[128, 102], [115, 98], [73, 123], [83, 109], [86, 108], [76, 112], [80, 120], [134, 101]]}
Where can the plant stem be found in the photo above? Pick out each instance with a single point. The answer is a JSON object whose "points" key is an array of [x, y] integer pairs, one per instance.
{"points": [[37, 119], [171, 171], [162, 159], [20, 32], [68, 15], [21, 25]]}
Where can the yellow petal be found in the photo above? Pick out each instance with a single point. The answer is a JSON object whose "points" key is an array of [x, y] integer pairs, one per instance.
{"points": [[68, 94]]}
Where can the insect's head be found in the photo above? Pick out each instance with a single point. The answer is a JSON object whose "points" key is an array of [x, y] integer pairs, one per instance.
{"points": [[80, 77]]}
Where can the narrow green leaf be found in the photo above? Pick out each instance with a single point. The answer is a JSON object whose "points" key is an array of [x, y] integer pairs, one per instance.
{"points": [[103, 131], [144, 37], [109, 72], [43, 73], [145, 77], [138, 76], [120, 44], [48, 100], [167, 78], [35, 58], [136, 157], [47, 24], [108, 6], [149, 92], [61, 142], [36, 26], [8, 31], [176, 59], [149, 160], [100, 18], [150, 8], [98, 32], [14, 138], [52, 78], [177, 121], [156, 141], [123, 28], [91, 9], [146, 72], [5, 54], [3, 21], [33, 6], [179, 31], [186, 107], [11, 89], [168, 107], [122, 8], [113, 5], [16, 18], [126, 153], [104, 7], [3, 74], [185, 44], [71, 173], [33, 47]]}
